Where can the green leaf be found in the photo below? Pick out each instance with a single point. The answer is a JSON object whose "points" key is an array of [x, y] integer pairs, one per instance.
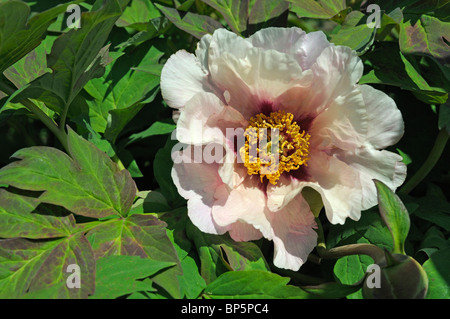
{"points": [[117, 276], [88, 183], [40, 267], [192, 283], [425, 36], [30, 67], [394, 215], [137, 14], [355, 33], [22, 216], [444, 116], [20, 35], [138, 235], [433, 240], [211, 265], [76, 57], [406, 159], [118, 95], [162, 170], [253, 284], [235, 12], [157, 128], [437, 269], [150, 201], [192, 23], [215, 249], [144, 17], [332, 290], [263, 11], [317, 9], [400, 71], [434, 207]]}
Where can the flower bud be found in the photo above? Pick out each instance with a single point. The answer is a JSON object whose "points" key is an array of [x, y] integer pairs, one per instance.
{"points": [[400, 277]]}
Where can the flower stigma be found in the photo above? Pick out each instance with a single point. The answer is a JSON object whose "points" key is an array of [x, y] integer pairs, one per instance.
{"points": [[274, 144]]}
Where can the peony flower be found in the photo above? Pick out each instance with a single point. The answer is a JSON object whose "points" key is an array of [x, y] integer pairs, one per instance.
{"points": [[331, 136]]}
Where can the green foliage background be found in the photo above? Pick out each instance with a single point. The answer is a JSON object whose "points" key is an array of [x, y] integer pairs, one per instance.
{"points": [[85, 150]]}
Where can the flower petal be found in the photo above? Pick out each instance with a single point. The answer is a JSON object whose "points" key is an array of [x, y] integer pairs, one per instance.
{"points": [[205, 119], [370, 164], [181, 78], [293, 234], [196, 183], [336, 72], [241, 231], [343, 124], [245, 203], [385, 122], [251, 76], [286, 189], [191, 124], [339, 186], [304, 47]]}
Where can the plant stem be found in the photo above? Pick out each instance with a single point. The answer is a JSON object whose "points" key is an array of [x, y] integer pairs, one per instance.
{"points": [[51, 125], [376, 253], [62, 120], [430, 162]]}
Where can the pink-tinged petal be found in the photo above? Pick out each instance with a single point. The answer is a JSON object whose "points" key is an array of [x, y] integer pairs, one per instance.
{"points": [[370, 164], [196, 182], [202, 50], [286, 189], [205, 119], [305, 48], [181, 78], [231, 172], [339, 186], [336, 72], [385, 122], [250, 75], [241, 231], [245, 203], [192, 125], [293, 234], [343, 124]]}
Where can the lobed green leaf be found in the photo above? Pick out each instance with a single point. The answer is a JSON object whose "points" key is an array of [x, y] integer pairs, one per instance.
{"points": [[88, 183]]}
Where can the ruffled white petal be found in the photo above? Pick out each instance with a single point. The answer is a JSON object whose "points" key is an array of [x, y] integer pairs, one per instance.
{"points": [[385, 122], [343, 124], [205, 119], [245, 203], [241, 231], [336, 72], [196, 183], [339, 186], [279, 195], [293, 234], [304, 47], [192, 125], [370, 164], [251, 75], [182, 77]]}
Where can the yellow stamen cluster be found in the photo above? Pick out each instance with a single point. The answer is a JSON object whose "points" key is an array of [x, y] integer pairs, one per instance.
{"points": [[274, 144]]}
